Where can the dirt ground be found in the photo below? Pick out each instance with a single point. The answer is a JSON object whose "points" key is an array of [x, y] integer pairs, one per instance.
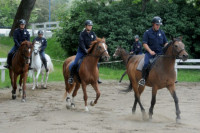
{"points": [[45, 111]]}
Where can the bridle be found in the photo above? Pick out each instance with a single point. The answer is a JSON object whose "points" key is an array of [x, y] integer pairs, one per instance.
{"points": [[97, 49], [26, 58]]}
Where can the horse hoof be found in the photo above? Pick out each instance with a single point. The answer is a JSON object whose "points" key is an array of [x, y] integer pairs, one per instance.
{"points": [[33, 88], [68, 106], [23, 100], [92, 103], [13, 97], [72, 105], [86, 109]]}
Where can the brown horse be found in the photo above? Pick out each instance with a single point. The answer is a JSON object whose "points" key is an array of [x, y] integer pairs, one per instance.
{"points": [[88, 72], [161, 75], [20, 65]]}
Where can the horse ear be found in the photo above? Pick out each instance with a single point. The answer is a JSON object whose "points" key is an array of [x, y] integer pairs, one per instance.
{"points": [[104, 40], [172, 38], [181, 38]]}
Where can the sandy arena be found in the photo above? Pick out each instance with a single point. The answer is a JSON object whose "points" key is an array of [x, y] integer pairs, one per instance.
{"points": [[45, 111]]}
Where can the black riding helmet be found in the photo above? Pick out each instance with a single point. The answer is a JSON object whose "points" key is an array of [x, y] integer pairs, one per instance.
{"points": [[40, 32], [157, 20], [136, 37], [22, 21], [88, 22]]}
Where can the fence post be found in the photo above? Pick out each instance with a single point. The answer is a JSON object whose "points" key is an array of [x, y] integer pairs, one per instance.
{"points": [[45, 29], [3, 73]]}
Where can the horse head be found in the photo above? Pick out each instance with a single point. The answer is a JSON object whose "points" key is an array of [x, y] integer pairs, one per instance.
{"points": [[176, 48], [98, 48], [118, 52], [36, 48], [26, 50]]}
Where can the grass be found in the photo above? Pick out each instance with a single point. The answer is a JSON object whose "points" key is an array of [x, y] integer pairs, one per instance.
{"points": [[113, 71]]}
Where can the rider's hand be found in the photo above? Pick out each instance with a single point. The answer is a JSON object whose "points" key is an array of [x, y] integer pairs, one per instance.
{"points": [[86, 51], [152, 52], [131, 52]]}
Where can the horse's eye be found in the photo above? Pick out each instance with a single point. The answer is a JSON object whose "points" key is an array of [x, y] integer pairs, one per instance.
{"points": [[99, 47], [176, 46]]}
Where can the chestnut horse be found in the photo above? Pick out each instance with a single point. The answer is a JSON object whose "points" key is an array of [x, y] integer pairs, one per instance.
{"points": [[161, 75], [88, 72], [20, 65]]}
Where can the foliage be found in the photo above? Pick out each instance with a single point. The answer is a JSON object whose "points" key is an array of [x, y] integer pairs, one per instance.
{"points": [[119, 21], [8, 9]]}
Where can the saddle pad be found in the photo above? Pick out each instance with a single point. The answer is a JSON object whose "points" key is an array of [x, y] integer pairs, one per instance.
{"points": [[140, 65]]}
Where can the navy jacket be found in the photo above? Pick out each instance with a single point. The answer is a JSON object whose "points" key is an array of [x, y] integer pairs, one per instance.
{"points": [[137, 48], [155, 40], [20, 35], [43, 42], [85, 40]]}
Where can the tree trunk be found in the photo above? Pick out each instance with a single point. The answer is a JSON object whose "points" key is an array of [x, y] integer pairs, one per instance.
{"points": [[144, 3], [23, 12]]}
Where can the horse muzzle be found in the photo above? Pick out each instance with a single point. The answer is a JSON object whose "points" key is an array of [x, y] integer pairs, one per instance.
{"points": [[183, 57], [106, 58]]}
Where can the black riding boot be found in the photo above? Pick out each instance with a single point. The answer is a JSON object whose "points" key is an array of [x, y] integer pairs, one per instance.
{"points": [[71, 78], [145, 74], [44, 61]]}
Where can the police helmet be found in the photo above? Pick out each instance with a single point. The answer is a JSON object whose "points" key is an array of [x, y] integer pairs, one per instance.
{"points": [[88, 22], [136, 37], [40, 32], [22, 21], [157, 20]]}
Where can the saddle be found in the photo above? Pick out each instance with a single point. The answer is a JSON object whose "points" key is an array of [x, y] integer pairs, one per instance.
{"points": [[150, 65]]}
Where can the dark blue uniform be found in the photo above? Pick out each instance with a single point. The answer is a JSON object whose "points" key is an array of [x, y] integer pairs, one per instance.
{"points": [[155, 40], [85, 40], [43, 46], [137, 48], [19, 36]]}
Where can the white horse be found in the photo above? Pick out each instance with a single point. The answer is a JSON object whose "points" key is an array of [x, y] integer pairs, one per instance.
{"points": [[38, 66]]}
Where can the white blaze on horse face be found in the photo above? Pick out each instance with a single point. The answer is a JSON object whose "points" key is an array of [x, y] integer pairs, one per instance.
{"points": [[29, 50], [105, 47]]}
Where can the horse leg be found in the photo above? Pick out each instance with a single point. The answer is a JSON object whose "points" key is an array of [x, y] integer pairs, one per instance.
{"points": [[153, 101], [20, 84], [47, 76], [137, 94], [96, 88], [173, 93], [33, 80], [24, 86], [14, 87], [74, 94], [85, 97], [141, 89], [37, 76]]}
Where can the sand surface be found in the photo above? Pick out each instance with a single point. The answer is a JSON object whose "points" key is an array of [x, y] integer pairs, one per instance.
{"points": [[45, 111]]}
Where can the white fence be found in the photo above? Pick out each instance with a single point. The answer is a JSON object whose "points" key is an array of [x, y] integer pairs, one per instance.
{"points": [[177, 65], [2, 63], [46, 27]]}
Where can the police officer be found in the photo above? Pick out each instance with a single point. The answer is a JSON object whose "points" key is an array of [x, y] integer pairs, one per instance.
{"points": [[20, 35], [137, 46], [154, 40], [85, 39], [43, 46]]}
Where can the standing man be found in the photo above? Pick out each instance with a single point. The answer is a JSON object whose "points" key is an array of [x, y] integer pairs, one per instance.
{"points": [[20, 35], [43, 46], [154, 40], [137, 46], [85, 39]]}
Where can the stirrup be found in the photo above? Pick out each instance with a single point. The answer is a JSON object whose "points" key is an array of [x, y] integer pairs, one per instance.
{"points": [[70, 80], [142, 82]]}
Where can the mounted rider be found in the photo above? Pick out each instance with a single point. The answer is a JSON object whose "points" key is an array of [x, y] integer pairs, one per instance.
{"points": [[154, 40], [137, 46], [43, 46], [20, 34], [85, 39]]}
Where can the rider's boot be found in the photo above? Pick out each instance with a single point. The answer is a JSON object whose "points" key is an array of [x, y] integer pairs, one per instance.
{"points": [[71, 78], [9, 61], [144, 77]]}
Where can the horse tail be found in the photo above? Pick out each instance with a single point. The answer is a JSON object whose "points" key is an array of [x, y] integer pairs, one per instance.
{"points": [[128, 89], [51, 69]]}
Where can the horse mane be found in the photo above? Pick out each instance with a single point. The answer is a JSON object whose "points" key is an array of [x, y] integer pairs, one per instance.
{"points": [[166, 47], [93, 43]]}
